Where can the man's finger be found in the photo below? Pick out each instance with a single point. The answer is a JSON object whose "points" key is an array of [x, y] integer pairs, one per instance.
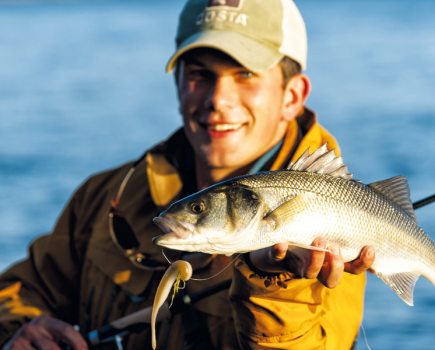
{"points": [[40, 339], [61, 330], [31, 336], [278, 252], [316, 259], [363, 263], [333, 269], [17, 343]]}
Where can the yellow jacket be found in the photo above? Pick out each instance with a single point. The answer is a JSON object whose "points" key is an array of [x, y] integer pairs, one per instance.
{"points": [[79, 275], [298, 314]]}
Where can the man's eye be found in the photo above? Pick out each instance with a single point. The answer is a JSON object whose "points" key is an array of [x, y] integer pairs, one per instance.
{"points": [[197, 72], [246, 75], [200, 73]]}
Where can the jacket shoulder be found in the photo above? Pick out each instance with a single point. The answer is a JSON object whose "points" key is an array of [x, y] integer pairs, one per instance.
{"points": [[103, 184]]}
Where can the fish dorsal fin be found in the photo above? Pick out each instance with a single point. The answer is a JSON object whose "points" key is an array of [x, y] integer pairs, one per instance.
{"points": [[397, 190], [402, 283], [322, 161]]}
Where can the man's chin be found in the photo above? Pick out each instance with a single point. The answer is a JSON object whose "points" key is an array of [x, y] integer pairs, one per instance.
{"points": [[225, 162]]}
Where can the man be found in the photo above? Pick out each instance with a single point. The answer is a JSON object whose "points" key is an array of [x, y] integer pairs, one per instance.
{"points": [[237, 69]]}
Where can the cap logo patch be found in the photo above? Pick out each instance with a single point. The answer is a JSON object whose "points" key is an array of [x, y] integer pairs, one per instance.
{"points": [[227, 3], [222, 16]]}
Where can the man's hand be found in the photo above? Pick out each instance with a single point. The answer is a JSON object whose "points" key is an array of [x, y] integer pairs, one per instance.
{"points": [[44, 332], [328, 268]]}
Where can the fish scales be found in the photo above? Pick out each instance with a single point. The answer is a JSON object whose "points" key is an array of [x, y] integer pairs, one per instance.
{"points": [[315, 197], [354, 194], [341, 190]]}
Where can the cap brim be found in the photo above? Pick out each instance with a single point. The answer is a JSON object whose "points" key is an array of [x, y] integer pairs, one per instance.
{"points": [[249, 53]]}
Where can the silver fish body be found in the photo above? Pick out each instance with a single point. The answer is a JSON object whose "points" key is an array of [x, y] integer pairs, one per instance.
{"points": [[293, 206]]}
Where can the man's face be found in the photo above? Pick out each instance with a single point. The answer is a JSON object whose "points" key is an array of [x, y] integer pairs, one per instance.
{"points": [[231, 115]]}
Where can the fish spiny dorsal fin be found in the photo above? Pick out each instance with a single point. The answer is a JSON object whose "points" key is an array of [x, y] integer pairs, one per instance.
{"points": [[312, 158], [397, 190], [301, 160], [322, 161]]}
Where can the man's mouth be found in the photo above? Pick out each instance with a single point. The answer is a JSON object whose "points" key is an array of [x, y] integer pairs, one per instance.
{"points": [[220, 129], [224, 127]]}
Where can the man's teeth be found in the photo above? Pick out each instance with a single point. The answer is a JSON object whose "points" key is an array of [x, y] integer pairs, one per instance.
{"points": [[223, 127]]}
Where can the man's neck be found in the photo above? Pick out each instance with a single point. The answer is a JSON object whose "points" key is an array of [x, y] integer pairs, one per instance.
{"points": [[207, 176]]}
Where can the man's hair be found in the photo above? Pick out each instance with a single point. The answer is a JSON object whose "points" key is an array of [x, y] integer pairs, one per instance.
{"points": [[289, 69]]}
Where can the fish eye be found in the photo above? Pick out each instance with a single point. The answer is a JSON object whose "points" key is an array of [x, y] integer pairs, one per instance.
{"points": [[197, 207]]}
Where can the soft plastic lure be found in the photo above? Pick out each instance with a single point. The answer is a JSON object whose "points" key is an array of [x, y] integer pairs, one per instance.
{"points": [[179, 270]]}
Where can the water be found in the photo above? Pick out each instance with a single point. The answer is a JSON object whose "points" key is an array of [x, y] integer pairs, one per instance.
{"points": [[83, 89]]}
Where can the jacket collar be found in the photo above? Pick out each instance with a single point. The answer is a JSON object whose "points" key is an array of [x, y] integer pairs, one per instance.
{"points": [[170, 162]]}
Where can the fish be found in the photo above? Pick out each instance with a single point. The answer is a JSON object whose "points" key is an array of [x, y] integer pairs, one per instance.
{"points": [[315, 196]]}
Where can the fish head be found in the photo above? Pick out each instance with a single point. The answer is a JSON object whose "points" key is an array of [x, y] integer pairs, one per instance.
{"points": [[218, 220]]}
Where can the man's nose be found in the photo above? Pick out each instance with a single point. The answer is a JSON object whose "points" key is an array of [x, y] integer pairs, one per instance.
{"points": [[223, 95]]}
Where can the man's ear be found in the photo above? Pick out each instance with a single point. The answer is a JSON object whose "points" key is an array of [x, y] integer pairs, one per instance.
{"points": [[295, 94]]}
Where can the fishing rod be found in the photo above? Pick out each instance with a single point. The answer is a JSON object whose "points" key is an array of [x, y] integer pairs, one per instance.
{"points": [[423, 202], [137, 321]]}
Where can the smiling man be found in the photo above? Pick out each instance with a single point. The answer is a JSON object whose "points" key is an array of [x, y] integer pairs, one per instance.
{"points": [[233, 115], [237, 67]]}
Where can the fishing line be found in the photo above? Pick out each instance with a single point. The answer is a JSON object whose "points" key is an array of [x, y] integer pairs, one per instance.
{"points": [[205, 279], [361, 325], [365, 337], [169, 261]]}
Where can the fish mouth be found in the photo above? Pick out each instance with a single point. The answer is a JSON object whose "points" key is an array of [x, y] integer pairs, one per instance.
{"points": [[173, 228]]}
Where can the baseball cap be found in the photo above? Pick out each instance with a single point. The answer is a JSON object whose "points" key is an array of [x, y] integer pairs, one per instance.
{"points": [[256, 33]]}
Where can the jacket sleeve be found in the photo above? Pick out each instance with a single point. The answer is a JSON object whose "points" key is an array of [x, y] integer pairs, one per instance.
{"points": [[47, 281], [299, 314]]}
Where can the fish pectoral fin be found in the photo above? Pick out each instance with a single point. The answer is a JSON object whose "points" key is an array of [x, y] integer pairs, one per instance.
{"points": [[402, 283], [287, 211], [306, 247]]}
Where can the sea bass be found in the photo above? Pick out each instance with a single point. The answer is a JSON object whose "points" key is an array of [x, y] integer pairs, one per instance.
{"points": [[315, 197]]}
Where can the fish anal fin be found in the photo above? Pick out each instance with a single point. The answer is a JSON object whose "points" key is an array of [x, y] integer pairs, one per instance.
{"points": [[402, 283], [397, 190]]}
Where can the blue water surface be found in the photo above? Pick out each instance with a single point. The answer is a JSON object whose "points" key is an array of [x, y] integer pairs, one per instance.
{"points": [[83, 89]]}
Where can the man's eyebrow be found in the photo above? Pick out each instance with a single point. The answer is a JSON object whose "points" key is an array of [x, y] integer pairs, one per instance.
{"points": [[192, 61]]}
